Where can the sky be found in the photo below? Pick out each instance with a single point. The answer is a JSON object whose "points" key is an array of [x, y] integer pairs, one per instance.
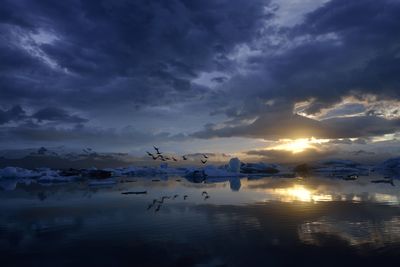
{"points": [[270, 79]]}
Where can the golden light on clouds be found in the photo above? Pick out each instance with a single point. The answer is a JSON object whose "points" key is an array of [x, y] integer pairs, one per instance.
{"points": [[299, 145]]}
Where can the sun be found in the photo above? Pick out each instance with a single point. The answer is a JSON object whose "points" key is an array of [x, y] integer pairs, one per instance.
{"points": [[298, 145]]}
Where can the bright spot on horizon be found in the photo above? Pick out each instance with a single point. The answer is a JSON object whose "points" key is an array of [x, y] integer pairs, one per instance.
{"points": [[298, 145]]}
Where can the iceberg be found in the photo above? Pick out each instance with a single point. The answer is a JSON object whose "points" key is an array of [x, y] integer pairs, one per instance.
{"points": [[55, 179], [213, 171], [340, 162], [16, 172], [259, 168], [338, 167], [234, 165], [389, 167]]}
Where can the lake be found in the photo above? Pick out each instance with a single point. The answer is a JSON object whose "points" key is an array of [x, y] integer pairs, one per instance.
{"points": [[311, 221]]}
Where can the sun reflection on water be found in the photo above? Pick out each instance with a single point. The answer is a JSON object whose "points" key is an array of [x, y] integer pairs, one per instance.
{"points": [[312, 190], [298, 193]]}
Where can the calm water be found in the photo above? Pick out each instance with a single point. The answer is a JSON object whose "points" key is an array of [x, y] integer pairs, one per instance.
{"points": [[263, 222]]}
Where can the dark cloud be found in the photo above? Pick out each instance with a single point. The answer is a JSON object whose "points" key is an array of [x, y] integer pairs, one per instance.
{"points": [[363, 153], [15, 113], [343, 48], [359, 52], [219, 79], [362, 126], [110, 59], [143, 52], [57, 115], [278, 126], [348, 141], [81, 136], [270, 126]]}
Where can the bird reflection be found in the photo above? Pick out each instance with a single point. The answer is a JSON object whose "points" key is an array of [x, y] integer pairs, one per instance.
{"points": [[158, 208]]}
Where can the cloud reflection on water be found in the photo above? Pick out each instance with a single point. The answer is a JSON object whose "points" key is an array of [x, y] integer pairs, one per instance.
{"points": [[259, 218]]}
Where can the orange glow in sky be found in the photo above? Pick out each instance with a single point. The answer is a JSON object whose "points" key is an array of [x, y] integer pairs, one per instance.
{"points": [[298, 145]]}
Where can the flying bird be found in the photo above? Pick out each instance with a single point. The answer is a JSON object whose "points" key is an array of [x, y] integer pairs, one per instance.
{"points": [[204, 161], [157, 149], [205, 156], [184, 157], [185, 197], [155, 157]]}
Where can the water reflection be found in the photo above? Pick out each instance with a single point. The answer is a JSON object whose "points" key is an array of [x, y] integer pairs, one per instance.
{"points": [[355, 233], [299, 193], [323, 189], [266, 221]]}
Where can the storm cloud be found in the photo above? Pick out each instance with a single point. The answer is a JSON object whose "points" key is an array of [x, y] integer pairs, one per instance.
{"points": [[295, 126], [15, 113], [57, 114], [81, 71]]}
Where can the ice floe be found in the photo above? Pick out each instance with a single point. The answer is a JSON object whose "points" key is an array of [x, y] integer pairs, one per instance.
{"points": [[10, 177], [338, 167]]}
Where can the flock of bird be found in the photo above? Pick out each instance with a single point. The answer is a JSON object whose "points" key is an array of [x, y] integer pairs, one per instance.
{"points": [[157, 203], [159, 155]]}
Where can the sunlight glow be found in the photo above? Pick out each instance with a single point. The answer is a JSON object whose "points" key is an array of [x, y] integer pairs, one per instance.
{"points": [[300, 193], [299, 145]]}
